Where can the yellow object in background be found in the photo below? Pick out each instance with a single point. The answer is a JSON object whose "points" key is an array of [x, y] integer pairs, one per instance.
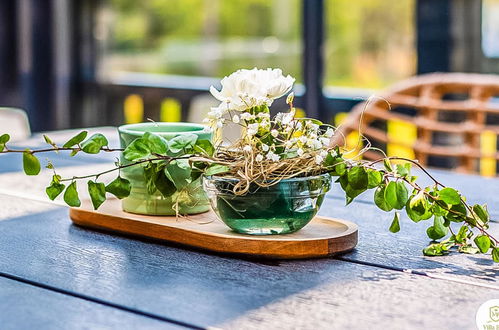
{"points": [[300, 113], [488, 147], [171, 110], [402, 135], [353, 141], [133, 109]]}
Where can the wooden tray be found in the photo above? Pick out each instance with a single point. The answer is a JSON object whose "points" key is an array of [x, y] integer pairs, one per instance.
{"points": [[320, 238]]}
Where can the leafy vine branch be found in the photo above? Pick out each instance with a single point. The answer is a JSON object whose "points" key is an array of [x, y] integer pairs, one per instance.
{"points": [[172, 167]]}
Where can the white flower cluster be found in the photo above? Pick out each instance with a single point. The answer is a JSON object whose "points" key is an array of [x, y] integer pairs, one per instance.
{"points": [[296, 138], [249, 93], [245, 89]]}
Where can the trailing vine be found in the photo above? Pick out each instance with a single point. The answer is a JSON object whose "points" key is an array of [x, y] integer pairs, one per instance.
{"points": [[269, 150]]}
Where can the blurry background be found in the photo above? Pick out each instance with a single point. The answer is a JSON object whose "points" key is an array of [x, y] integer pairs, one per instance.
{"points": [[105, 62]]}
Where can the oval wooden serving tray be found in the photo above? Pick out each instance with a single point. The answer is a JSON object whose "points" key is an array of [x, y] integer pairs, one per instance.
{"points": [[320, 238]]}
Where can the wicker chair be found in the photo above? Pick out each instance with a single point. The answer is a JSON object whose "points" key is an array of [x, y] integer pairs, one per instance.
{"points": [[448, 120]]}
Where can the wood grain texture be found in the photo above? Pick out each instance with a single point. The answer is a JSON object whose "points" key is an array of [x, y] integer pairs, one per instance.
{"points": [[403, 250], [320, 238], [210, 290], [24, 306]]}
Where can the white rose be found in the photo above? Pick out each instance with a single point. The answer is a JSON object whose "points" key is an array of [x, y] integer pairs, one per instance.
{"points": [[244, 89]]}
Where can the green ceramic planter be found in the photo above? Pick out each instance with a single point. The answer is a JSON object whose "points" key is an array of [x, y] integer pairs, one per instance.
{"points": [[140, 201]]}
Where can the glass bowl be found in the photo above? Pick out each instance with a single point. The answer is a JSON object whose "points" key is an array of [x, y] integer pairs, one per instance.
{"points": [[283, 208]]}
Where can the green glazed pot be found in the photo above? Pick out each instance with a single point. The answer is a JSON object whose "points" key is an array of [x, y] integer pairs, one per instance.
{"points": [[140, 201], [283, 208]]}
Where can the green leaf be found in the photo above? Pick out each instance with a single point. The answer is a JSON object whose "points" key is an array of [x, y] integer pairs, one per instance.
{"points": [[179, 172], [138, 149], [155, 143], [94, 144], [151, 173], [379, 199], [458, 213], [77, 139], [215, 169], [449, 196], [374, 178], [97, 191], [468, 249], [396, 195], [395, 226], [483, 243], [55, 188], [436, 249], [495, 254], [164, 185], [418, 207], [403, 170], [350, 192], [31, 164], [182, 142], [357, 178], [438, 230], [71, 195], [340, 168], [388, 165], [4, 138], [196, 174], [481, 212], [437, 210], [462, 235], [48, 140], [418, 202], [204, 147], [119, 187]]}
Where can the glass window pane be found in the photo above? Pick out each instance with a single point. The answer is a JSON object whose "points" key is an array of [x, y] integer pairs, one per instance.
{"points": [[369, 43], [490, 28], [200, 37]]}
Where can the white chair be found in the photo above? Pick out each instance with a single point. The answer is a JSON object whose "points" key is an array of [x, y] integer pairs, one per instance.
{"points": [[15, 123]]}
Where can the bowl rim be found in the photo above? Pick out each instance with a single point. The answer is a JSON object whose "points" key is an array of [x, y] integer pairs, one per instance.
{"points": [[196, 128], [294, 179]]}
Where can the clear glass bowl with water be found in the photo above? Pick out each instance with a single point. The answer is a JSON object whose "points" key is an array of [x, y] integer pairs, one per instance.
{"points": [[282, 208]]}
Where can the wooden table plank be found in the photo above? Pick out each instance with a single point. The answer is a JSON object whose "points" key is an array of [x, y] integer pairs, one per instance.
{"points": [[403, 250], [209, 290], [24, 306], [397, 251]]}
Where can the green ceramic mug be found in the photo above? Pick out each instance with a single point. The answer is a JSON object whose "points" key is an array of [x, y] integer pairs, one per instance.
{"points": [[140, 201]]}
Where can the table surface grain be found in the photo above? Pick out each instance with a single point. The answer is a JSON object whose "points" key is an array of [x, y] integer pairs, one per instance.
{"points": [[54, 274]]}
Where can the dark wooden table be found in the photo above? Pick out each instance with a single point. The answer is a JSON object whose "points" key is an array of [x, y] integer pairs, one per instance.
{"points": [[56, 275]]}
